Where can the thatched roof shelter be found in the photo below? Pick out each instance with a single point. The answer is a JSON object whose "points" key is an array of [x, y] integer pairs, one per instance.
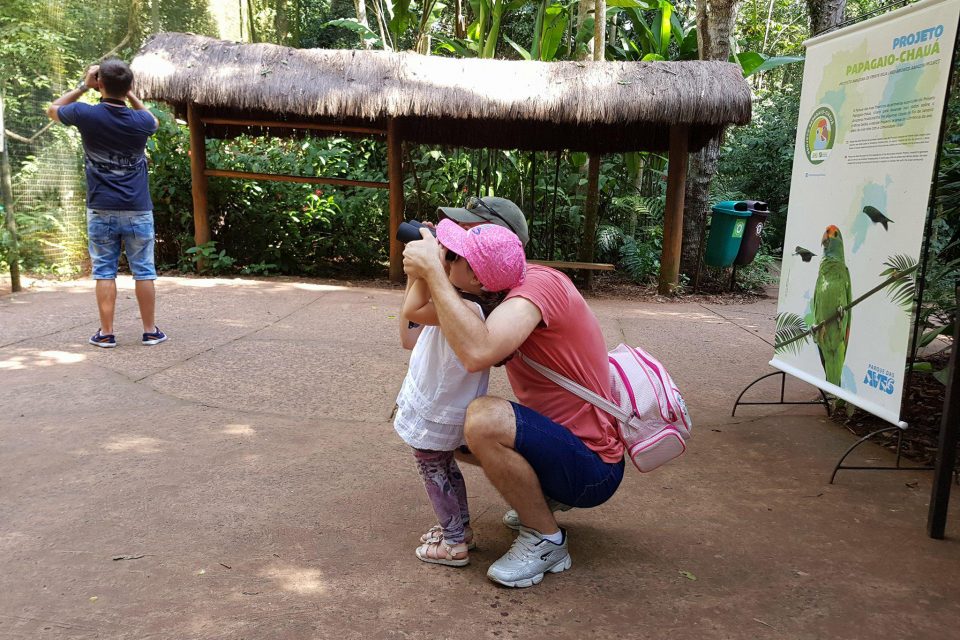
{"points": [[587, 106], [226, 89]]}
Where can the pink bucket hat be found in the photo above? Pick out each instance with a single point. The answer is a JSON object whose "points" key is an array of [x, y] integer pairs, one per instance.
{"points": [[494, 253]]}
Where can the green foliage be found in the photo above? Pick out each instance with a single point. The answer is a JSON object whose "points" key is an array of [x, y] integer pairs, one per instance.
{"points": [[791, 333], [758, 274], [902, 290], [757, 160], [205, 258]]}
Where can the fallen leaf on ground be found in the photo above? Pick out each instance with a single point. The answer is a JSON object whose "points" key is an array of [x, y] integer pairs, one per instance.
{"points": [[688, 575]]}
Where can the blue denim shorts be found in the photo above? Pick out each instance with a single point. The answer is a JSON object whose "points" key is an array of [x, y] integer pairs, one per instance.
{"points": [[107, 229], [568, 470]]}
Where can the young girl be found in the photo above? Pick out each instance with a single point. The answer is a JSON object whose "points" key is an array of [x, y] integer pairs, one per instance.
{"points": [[432, 403]]}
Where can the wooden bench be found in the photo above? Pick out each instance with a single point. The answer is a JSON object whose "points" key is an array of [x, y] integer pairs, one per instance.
{"points": [[558, 264]]}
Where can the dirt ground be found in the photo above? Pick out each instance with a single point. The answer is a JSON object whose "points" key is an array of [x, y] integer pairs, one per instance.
{"points": [[243, 480]]}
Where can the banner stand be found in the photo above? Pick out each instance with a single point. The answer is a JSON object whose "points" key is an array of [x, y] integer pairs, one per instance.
{"points": [[824, 401], [867, 437], [880, 116], [940, 496]]}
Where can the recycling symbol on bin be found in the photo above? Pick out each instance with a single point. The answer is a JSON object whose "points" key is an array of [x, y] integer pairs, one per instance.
{"points": [[759, 229], [738, 228]]}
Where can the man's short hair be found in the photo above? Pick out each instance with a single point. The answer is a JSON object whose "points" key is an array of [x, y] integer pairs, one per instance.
{"points": [[116, 78]]}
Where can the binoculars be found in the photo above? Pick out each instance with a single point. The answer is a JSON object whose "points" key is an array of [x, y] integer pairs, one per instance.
{"points": [[410, 232]]}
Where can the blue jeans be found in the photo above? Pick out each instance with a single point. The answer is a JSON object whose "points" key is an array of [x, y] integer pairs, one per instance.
{"points": [[107, 229], [569, 471]]}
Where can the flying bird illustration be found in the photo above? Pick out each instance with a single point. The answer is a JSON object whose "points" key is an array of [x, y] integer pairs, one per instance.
{"points": [[876, 216], [805, 254], [831, 295]]}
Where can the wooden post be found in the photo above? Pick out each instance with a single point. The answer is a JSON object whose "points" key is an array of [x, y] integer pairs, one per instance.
{"points": [[673, 212], [395, 177], [198, 164], [947, 451]]}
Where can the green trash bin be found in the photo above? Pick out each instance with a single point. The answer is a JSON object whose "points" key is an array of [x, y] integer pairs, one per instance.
{"points": [[727, 225]]}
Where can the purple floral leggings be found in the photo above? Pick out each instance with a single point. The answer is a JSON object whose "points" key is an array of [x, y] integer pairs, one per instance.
{"points": [[446, 490]]}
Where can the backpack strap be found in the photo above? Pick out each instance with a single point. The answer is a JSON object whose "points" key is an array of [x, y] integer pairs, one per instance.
{"points": [[578, 390]]}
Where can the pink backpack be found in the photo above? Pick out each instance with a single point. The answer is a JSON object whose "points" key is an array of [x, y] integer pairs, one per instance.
{"points": [[650, 411]]}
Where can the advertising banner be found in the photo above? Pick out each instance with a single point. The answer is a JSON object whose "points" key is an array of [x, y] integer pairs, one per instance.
{"points": [[870, 114]]}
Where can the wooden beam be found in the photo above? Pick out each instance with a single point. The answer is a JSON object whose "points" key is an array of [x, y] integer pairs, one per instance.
{"points": [[333, 128], [558, 264], [247, 175], [198, 178], [673, 211], [395, 175]]}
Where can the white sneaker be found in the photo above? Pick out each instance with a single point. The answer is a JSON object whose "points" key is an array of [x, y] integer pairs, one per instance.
{"points": [[512, 521], [529, 558]]}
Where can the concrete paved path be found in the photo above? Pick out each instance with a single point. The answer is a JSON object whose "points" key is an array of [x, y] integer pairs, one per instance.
{"points": [[248, 473]]}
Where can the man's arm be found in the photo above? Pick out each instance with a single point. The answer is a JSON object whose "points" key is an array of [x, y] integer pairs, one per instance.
{"points": [[478, 344], [89, 82], [138, 105]]}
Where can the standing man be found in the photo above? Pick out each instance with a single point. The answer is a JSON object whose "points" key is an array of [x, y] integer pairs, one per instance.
{"points": [[119, 208], [551, 447]]}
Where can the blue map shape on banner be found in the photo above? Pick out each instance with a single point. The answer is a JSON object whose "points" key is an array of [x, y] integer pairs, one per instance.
{"points": [[873, 195]]}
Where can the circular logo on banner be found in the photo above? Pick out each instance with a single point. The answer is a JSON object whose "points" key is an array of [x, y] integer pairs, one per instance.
{"points": [[821, 133]]}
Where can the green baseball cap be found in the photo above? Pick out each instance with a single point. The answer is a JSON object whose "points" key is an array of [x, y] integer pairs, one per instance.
{"points": [[498, 211]]}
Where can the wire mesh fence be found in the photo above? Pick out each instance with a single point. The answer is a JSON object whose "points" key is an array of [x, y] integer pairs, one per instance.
{"points": [[49, 195], [46, 164]]}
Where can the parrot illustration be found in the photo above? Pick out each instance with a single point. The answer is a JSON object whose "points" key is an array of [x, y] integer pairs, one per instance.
{"points": [[831, 294], [877, 216], [805, 254]]}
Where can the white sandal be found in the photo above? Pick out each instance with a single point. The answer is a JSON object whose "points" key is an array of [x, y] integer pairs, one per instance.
{"points": [[435, 534], [440, 552]]}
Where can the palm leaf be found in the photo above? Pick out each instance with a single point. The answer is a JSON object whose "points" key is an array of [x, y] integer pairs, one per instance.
{"points": [[791, 335], [902, 290], [634, 263]]}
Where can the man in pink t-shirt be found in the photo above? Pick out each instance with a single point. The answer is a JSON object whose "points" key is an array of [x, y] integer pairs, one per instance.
{"points": [[551, 446]]}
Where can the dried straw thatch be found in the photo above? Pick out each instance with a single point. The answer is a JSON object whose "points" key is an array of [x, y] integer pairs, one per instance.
{"points": [[601, 106]]}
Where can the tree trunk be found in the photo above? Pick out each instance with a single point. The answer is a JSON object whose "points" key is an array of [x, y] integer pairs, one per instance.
{"points": [[702, 168], [251, 13], [361, 7], [715, 21], [584, 11], [459, 21], [825, 14], [599, 30], [591, 206], [13, 253]]}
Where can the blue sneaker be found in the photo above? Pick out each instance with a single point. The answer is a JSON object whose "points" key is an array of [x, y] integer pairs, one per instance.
{"points": [[155, 337], [100, 340]]}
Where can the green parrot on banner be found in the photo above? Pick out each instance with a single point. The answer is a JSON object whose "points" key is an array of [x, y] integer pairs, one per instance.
{"points": [[831, 295]]}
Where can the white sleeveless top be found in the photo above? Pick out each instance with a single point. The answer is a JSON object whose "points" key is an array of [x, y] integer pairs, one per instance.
{"points": [[432, 403]]}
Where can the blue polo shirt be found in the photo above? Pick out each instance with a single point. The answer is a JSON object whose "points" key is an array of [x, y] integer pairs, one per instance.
{"points": [[114, 139]]}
